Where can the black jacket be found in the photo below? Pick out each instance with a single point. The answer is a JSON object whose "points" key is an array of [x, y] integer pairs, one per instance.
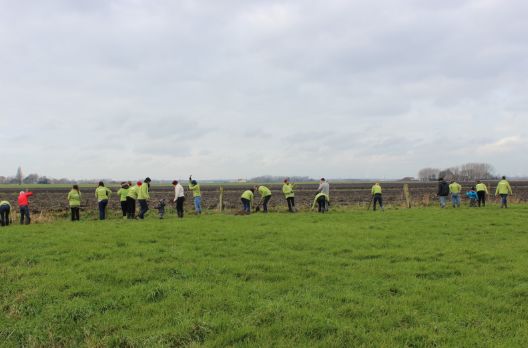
{"points": [[443, 189]]}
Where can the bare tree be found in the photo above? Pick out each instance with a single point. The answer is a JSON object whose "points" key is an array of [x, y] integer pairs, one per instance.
{"points": [[428, 174], [19, 177]]}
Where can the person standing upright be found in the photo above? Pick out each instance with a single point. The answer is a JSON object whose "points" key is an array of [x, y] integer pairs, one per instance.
{"points": [[443, 192], [482, 192], [197, 195], [74, 200], [324, 188], [504, 190], [143, 197], [287, 190], [123, 193], [132, 195], [5, 209], [23, 205], [455, 188], [102, 194], [377, 197], [179, 197]]}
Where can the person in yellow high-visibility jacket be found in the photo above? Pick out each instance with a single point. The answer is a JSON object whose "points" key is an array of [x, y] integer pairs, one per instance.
{"points": [[455, 188], [287, 190], [265, 196], [482, 191], [376, 196], [504, 190]]}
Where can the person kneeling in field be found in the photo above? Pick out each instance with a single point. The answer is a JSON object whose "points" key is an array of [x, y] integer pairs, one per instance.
{"points": [[5, 209], [473, 197], [376, 196], [287, 190], [247, 199], [74, 199], [321, 199], [265, 196], [161, 208]]}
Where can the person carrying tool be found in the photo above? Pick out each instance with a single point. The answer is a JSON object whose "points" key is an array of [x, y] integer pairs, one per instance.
{"points": [[287, 190], [482, 192], [376, 196], [23, 205], [443, 192], [247, 199], [197, 195], [5, 209], [143, 197], [322, 200], [179, 197], [102, 194], [123, 193], [74, 200], [265, 196], [504, 190], [455, 188]]}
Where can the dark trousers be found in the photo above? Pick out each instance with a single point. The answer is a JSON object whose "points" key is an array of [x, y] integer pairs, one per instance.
{"points": [[246, 205], [131, 207], [4, 214], [378, 199], [291, 204], [102, 209], [481, 198], [24, 215], [75, 213], [321, 202], [143, 208], [179, 206], [504, 200], [265, 201], [124, 208]]}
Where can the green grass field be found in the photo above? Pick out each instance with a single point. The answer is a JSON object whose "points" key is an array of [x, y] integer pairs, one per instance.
{"points": [[415, 278]]}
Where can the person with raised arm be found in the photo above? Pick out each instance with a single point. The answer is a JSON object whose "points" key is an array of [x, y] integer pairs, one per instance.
{"points": [[197, 195], [23, 205]]}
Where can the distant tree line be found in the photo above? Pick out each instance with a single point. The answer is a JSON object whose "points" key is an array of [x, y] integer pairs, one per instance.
{"points": [[273, 178], [465, 172]]}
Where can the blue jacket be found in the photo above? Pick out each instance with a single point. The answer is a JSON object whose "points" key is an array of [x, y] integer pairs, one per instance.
{"points": [[472, 195]]}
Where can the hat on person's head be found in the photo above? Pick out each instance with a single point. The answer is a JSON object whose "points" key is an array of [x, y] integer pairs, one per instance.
{"points": [[147, 179], [21, 192], [139, 183]]}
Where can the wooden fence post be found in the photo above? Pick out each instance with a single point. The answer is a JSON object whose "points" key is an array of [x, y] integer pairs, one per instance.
{"points": [[221, 199], [407, 195]]}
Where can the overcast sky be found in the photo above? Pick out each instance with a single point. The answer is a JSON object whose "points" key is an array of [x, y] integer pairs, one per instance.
{"points": [[235, 89]]}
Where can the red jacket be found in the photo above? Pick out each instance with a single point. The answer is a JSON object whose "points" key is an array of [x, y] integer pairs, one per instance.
{"points": [[23, 198]]}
